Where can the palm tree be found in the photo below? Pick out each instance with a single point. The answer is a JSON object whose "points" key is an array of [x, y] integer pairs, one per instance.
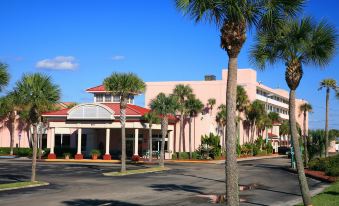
{"points": [[234, 17], [4, 76], [38, 94], [8, 110], [296, 44], [194, 106], [164, 106], [182, 92], [254, 113], [124, 85], [221, 120], [242, 102], [210, 103], [328, 84], [152, 118], [305, 108]]}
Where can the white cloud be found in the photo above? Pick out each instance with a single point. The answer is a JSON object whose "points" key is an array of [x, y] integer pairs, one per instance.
{"points": [[58, 63], [118, 57]]}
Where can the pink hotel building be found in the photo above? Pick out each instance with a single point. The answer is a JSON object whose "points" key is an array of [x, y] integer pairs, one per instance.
{"points": [[96, 125]]}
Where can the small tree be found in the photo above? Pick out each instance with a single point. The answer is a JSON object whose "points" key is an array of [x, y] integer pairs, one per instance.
{"points": [[210, 103], [38, 94], [328, 84], [8, 108], [4, 76], [193, 106], [182, 93], [164, 106], [305, 109], [152, 118], [124, 85]]}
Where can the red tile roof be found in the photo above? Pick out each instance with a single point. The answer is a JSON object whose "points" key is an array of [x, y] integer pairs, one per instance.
{"points": [[99, 88], [61, 112], [131, 110], [272, 135]]}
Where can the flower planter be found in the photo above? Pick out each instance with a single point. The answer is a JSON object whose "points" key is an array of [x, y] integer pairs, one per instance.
{"points": [[94, 156]]}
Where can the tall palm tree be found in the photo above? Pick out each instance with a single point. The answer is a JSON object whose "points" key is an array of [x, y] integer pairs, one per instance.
{"points": [[182, 92], [152, 118], [221, 120], [38, 93], [124, 85], [234, 17], [194, 106], [8, 110], [305, 108], [4, 76], [296, 44], [164, 106], [210, 103], [328, 84]]}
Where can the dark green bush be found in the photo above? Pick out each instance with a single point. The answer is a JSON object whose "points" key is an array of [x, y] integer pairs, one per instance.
{"points": [[22, 152], [332, 171], [213, 141], [196, 155]]}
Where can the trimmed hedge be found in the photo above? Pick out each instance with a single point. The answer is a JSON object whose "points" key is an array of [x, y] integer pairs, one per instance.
{"points": [[186, 155], [21, 152]]}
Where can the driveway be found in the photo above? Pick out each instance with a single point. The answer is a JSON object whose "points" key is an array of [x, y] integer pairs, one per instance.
{"points": [[83, 184]]}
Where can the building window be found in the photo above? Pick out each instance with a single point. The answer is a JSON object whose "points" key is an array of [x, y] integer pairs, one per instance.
{"points": [[131, 100], [116, 99], [108, 97], [99, 97]]}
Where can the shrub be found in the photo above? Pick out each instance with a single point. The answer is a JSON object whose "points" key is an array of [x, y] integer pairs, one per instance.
{"points": [[183, 155], [269, 148], [67, 154], [262, 152], [22, 152], [196, 155], [95, 152], [213, 142], [332, 171]]}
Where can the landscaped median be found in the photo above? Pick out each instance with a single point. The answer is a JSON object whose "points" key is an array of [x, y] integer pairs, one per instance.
{"points": [[138, 171], [20, 185]]}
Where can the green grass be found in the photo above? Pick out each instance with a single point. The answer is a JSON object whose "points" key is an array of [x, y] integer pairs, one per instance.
{"points": [[329, 197], [20, 185], [138, 171]]}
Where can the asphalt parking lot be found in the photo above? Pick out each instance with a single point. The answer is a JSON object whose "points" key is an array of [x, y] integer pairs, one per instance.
{"points": [[185, 184]]}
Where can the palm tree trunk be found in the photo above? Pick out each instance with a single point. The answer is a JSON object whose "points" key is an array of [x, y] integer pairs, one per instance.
{"points": [[190, 136], [150, 143], [305, 141], [40, 142], [12, 120], [231, 172], [326, 121], [35, 146], [295, 139], [164, 125], [123, 104], [181, 133]]}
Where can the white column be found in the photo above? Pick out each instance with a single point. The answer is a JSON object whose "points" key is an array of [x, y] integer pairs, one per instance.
{"points": [[107, 141], [79, 141], [170, 142], [136, 141], [52, 140]]}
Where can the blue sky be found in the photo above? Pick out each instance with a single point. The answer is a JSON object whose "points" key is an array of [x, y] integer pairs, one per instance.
{"points": [[151, 38]]}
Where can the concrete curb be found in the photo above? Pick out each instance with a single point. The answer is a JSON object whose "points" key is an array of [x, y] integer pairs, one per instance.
{"points": [[26, 186]]}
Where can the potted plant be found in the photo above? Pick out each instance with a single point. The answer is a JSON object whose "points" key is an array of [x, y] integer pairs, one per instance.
{"points": [[67, 155], [95, 154]]}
